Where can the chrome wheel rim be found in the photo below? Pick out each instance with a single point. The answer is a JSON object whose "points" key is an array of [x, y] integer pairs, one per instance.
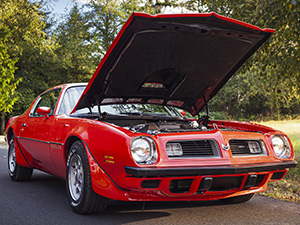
{"points": [[12, 157], [75, 177]]}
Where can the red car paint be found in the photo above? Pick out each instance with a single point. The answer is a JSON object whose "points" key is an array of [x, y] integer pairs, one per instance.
{"points": [[43, 144], [44, 140]]}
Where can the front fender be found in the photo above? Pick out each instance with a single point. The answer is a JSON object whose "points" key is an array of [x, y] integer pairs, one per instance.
{"points": [[102, 183]]}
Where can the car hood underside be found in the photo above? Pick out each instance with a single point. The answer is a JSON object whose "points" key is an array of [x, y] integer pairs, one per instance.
{"points": [[172, 60]]}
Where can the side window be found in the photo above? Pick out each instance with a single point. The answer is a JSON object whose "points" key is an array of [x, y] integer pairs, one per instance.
{"points": [[70, 99], [48, 100]]}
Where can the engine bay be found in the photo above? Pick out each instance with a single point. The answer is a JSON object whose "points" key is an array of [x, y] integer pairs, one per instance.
{"points": [[166, 127]]}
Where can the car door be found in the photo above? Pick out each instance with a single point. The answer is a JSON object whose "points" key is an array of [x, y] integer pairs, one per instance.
{"points": [[61, 126], [35, 134]]}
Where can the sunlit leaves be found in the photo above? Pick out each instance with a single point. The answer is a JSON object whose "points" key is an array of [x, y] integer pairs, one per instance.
{"points": [[272, 75], [32, 47]]}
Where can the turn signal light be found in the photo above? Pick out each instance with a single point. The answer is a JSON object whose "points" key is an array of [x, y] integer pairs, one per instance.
{"points": [[109, 159]]}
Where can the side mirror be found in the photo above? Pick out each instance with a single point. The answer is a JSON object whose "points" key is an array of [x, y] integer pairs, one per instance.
{"points": [[182, 113], [43, 111]]}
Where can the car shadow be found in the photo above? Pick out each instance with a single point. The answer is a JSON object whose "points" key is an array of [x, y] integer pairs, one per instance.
{"points": [[47, 181], [117, 212]]}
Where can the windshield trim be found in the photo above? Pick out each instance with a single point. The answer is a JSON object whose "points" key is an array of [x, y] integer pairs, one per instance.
{"points": [[170, 111]]}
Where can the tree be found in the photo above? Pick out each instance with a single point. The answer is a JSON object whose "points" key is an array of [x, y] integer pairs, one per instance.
{"points": [[87, 31], [85, 34], [75, 50], [31, 48], [274, 71], [106, 18], [8, 83], [159, 6]]}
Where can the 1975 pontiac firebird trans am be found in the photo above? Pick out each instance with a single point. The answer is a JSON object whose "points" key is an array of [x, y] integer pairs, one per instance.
{"points": [[121, 136]]}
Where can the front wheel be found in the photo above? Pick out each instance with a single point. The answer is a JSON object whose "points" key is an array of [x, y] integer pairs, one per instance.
{"points": [[81, 196], [237, 199], [15, 171]]}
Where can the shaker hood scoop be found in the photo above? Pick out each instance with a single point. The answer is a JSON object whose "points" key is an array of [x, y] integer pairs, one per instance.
{"points": [[175, 59]]}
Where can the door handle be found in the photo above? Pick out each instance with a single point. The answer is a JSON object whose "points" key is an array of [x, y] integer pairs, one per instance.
{"points": [[24, 124]]}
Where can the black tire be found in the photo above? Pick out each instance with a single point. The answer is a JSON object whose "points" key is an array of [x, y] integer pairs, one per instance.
{"points": [[237, 199], [15, 171], [82, 198]]}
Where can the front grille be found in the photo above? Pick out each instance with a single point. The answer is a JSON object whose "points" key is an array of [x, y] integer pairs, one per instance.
{"points": [[197, 148], [247, 147], [150, 184], [220, 183], [226, 183], [277, 175], [180, 186], [258, 181]]}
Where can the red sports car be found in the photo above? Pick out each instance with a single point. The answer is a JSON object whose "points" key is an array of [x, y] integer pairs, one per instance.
{"points": [[122, 137]]}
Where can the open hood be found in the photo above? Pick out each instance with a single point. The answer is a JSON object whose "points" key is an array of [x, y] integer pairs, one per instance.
{"points": [[176, 59]]}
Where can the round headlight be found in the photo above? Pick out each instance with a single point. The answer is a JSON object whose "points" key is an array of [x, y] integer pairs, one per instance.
{"points": [[143, 150], [281, 146]]}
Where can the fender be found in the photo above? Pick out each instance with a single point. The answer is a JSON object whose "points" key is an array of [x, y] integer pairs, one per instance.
{"points": [[20, 158], [102, 183], [9, 122]]}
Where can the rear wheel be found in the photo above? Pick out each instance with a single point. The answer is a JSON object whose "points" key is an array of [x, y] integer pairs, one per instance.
{"points": [[15, 171], [237, 199], [81, 196]]}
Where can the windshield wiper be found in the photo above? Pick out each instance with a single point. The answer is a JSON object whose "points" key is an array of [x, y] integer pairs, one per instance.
{"points": [[161, 115], [133, 113]]}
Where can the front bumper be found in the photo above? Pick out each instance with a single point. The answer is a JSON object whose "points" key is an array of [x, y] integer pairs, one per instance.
{"points": [[202, 183], [210, 170]]}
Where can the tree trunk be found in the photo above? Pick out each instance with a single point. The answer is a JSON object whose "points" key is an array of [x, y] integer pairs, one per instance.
{"points": [[272, 112], [2, 123], [229, 107]]}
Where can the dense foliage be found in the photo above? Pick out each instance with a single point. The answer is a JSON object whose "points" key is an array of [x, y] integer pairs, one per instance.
{"points": [[38, 50], [268, 85]]}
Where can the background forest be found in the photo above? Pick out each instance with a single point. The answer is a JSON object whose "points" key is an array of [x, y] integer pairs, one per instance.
{"points": [[39, 49]]}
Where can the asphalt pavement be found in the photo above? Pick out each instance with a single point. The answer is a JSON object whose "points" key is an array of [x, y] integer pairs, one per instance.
{"points": [[43, 200]]}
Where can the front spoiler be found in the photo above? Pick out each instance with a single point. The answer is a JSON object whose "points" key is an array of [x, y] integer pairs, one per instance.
{"points": [[208, 170]]}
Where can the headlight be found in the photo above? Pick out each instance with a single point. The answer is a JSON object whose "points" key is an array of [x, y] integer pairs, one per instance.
{"points": [[281, 146], [143, 150]]}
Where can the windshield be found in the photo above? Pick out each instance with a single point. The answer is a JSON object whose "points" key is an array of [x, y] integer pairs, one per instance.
{"points": [[73, 94], [134, 109]]}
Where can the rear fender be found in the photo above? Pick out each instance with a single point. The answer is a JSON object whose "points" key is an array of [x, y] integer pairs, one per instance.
{"points": [[8, 125], [20, 158]]}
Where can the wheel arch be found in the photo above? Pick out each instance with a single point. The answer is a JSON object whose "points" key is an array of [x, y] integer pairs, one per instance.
{"points": [[10, 132], [20, 158], [108, 185], [70, 140]]}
